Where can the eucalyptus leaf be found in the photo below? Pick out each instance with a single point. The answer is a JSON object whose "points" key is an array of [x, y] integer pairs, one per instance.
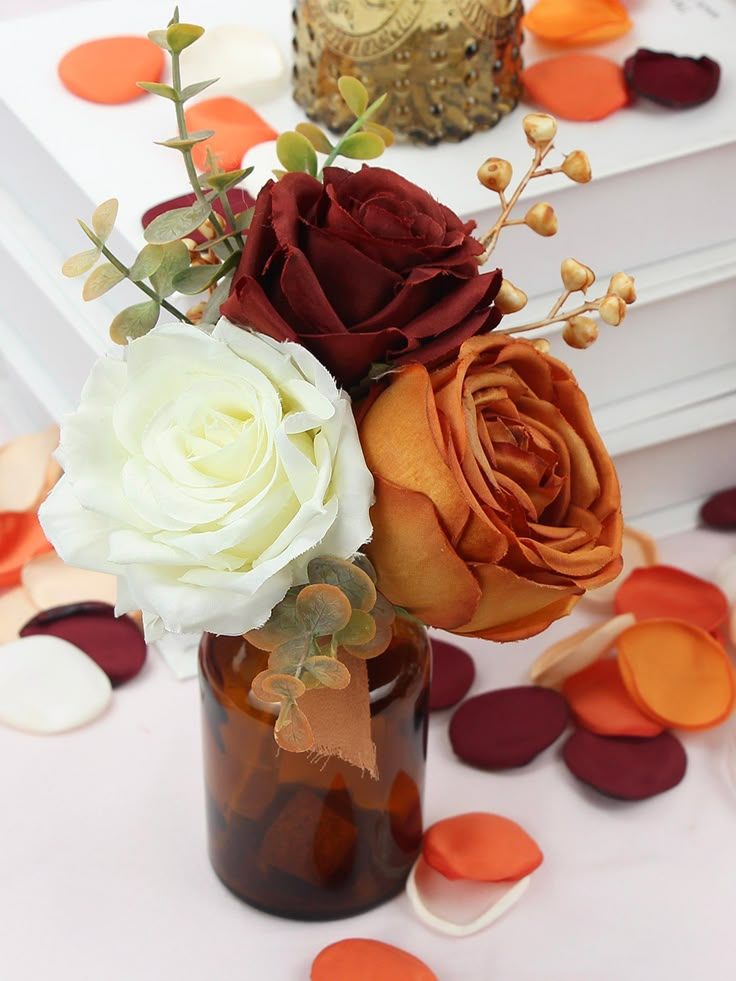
{"points": [[90, 234], [351, 579], [384, 132], [315, 136], [146, 262], [174, 260], [180, 36], [354, 93], [295, 734], [287, 657], [102, 279], [184, 144], [242, 222], [80, 263], [134, 321], [158, 88], [271, 686], [177, 223], [159, 38], [195, 88], [361, 629], [328, 671], [283, 623], [296, 153], [374, 647], [323, 609], [211, 312], [103, 218], [224, 181], [197, 279], [362, 146]]}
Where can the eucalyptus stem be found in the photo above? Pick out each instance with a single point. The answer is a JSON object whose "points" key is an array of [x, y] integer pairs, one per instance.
{"points": [[229, 214], [125, 270], [187, 153], [356, 127]]}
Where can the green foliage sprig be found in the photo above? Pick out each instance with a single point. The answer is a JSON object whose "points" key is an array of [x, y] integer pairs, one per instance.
{"points": [[365, 140], [339, 608], [170, 262]]}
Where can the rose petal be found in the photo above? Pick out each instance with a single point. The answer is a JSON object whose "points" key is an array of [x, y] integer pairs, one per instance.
{"points": [[453, 672], [27, 471], [115, 644], [719, 511], [480, 846], [48, 686], [600, 702], [625, 767], [665, 591], [677, 673], [576, 652], [569, 22], [50, 582], [638, 549], [16, 609], [21, 538], [236, 127], [368, 960], [507, 727], [672, 80], [106, 70], [459, 908], [581, 87]]}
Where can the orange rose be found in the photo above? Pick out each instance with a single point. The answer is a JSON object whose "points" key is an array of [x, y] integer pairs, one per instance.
{"points": [[497, 504]]}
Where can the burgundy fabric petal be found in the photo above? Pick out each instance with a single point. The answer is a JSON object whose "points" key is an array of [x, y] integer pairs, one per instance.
{"points": [[453, 672], [719, 511], [672, 80], [239, 201], [248, 296], [625, 766], [115, 644], [507, 727], [346, 355]]}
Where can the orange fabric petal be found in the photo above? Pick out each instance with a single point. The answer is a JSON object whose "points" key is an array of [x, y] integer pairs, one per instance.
{"points": [[440, 590], [600, 702], [677, 673], [237, 128], [106, 70], [366, 960], [569, 22], [658, 591], [21, 538], [512, 607], [405, 417], [580, 87], [482, 847]]}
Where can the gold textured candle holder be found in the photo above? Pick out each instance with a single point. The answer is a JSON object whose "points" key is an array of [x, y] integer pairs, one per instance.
{"points": [[450, 67]]}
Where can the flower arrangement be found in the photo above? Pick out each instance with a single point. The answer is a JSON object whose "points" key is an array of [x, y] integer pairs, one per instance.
{"points": [[341, 428]]}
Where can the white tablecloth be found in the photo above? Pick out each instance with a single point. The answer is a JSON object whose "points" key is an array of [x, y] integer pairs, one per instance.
{"points": [[104, 874]]}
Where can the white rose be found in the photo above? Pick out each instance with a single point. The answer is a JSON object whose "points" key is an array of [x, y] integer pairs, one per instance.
{"points": [[205, 471]]}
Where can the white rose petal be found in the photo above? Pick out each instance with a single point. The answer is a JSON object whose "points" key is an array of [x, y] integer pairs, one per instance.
{"points": [[206, 471]]}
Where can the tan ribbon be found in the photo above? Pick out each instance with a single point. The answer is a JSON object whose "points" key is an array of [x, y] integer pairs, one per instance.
{"points": [[341, 720]]}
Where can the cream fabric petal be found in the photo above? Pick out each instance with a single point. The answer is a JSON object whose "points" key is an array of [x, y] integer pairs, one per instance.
{"points": [[24, 464], [48, 685]]}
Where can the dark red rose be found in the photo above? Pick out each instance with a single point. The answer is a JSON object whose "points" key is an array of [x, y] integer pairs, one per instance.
{"points": [[363, 267]]}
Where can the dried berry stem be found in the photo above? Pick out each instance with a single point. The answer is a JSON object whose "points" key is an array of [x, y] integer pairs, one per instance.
{"points": [[489, 240], [558, 318], [559, 304]]}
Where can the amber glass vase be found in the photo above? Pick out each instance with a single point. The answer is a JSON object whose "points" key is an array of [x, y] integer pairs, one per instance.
{"points": [[307, 839], [448, 68]]}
